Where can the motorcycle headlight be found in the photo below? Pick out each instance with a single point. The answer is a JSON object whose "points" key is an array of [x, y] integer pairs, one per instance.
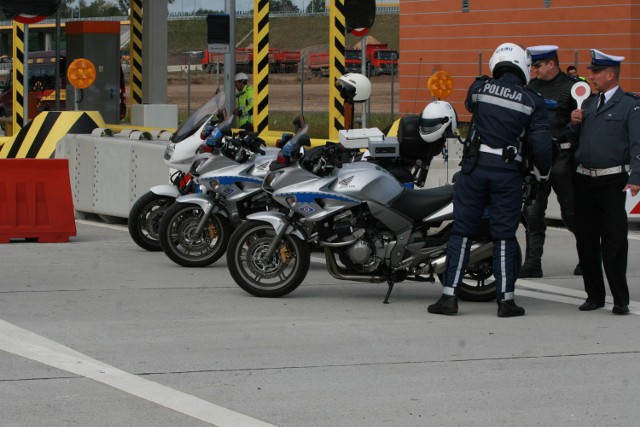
{"points": [[169, 150]]}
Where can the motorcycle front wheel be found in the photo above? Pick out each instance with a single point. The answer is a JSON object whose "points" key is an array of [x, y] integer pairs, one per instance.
{"points": [[144, 220], [279, 275], [477, 284], [181, 243]]}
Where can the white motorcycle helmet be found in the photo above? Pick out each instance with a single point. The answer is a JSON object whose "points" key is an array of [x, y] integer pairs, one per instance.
{"points": [[354, 87], [438, 121], [510, 55]]}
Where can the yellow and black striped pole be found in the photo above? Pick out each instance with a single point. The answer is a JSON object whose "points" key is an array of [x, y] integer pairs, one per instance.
{"points": [[18, 77], [337, 40], [261, 65], [135, 52]]}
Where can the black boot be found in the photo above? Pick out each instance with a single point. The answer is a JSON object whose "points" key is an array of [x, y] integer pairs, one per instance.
{"points": [[447, 304], [528, 271], [508, 308]]}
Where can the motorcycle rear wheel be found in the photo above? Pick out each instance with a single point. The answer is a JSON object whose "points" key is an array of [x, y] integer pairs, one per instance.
{"points": [[275, 277], [480, 273], [144, 220], [180, 243]]}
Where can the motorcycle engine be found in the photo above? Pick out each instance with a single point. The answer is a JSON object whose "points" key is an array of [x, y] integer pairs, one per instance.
{"points": [[359, 252], [366, 251], [365, 254]]}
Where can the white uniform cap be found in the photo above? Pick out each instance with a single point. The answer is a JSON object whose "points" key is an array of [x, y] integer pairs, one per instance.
{"points": [[600, 60], [541, 52]]}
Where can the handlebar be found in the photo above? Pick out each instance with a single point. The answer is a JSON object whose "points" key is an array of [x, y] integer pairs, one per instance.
{"points": [[322, 160]]}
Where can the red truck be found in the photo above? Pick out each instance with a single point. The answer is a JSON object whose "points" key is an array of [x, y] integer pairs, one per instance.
{"points": [[381, 59], [353, 60], [280, 61], [284, 61], [244, 61], [319, 64]]}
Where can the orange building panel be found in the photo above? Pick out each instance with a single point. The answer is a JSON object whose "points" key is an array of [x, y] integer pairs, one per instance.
{"points": [[438, 35]]}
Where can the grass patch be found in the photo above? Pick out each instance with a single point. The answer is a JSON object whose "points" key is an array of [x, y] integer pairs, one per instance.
{"points": [[191, 35]]}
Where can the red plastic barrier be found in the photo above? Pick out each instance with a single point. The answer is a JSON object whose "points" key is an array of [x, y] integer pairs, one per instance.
{"points": [[35, 200]]}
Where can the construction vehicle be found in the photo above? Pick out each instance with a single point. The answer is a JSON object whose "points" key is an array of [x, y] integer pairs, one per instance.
{"points": [[353, 60], [319, 64], [284, 61], [381, 59], [280, 61]]}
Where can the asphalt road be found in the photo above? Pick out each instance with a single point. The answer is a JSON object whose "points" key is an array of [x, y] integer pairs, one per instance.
{"points": [[98, 332]]}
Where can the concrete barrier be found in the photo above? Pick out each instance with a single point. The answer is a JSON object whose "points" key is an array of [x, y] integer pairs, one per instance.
{"points": [[108, 174]]}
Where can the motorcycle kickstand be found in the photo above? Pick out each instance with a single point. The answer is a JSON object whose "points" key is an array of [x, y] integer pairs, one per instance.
{"points": [[390, 282]]}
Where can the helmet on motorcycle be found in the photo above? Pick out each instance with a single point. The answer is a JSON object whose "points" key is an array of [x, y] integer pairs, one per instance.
{"points": [[241, 77], [438, 121], [354, 87], [511, 57]]}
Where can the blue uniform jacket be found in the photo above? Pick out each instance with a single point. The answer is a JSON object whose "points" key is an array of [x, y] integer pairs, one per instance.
{"points": [[506, 113], [609, 137]]}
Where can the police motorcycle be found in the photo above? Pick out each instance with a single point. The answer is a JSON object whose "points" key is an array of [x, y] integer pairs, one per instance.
{"points": [[372, 228], [185, 143], [195, 230]]}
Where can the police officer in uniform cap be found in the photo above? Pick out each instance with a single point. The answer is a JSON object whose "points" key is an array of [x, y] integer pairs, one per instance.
{"points": [[555, 87], [506, 115], [607, 131]]}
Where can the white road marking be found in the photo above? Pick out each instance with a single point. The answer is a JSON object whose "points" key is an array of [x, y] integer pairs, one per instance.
{"points": [[118, 227], [546, 292], [21, 342], [24, 343]]}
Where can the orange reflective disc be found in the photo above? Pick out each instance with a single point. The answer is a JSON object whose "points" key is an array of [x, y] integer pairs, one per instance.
{"points": [[81, 73], [440, 84]]}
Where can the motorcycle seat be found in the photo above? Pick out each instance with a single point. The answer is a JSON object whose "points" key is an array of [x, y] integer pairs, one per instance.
{"points": [[417, 204]]}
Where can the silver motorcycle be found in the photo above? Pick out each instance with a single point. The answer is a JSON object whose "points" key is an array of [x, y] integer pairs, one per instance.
{"points": [[181, 151], [195, 230], [372, 228]]}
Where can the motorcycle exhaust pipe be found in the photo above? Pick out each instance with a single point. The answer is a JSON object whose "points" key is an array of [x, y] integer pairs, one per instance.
{"points": [[479, 251]]}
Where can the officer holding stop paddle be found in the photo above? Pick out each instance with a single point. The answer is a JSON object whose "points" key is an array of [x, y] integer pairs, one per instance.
{"points": [[607, 133]]}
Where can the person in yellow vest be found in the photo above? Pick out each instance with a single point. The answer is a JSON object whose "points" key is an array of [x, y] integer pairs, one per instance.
{"points": [[573, 71], [244, 102]]}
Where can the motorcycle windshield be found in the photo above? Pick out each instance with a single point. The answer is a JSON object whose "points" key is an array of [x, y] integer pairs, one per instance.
{"points": [[196, 120]]}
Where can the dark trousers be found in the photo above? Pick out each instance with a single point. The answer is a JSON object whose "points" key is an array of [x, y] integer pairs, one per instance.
{"points": [[561, 180], [601, 235], [499, 190]]}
